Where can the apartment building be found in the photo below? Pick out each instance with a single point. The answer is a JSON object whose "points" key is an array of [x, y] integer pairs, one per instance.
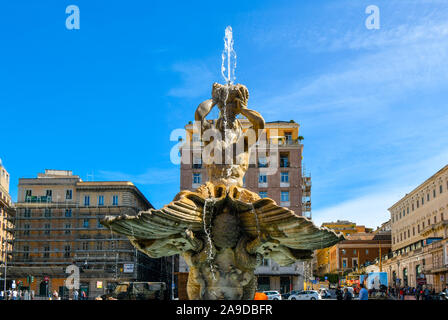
{"points": [[7, 214], [289, 186], [419, 224], [357, 249], [345, 227], [58, 224]]}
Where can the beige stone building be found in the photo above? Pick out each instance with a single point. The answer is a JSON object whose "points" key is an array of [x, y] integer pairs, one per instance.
{"points": [[6, 218], [419, 223], [58, 224]]}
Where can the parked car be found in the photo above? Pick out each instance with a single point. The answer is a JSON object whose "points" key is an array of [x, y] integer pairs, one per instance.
{"points": [[306, 295], [137, 291], [324, 294], [273, 295], [285, 296]]}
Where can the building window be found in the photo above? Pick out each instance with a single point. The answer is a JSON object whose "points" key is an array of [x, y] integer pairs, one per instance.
{"points": [[435, 219], [418, 205], [288, 137], [69, 195], [68, 228], [67, 252], [101, 200], [265, 262], [408, 210], [26, 252], [262, 162], [47, 213], [86, 201], [413, 231], [47, 228], [46, 252], [28, 193], [27, 230], [98, 224], [344, 263], [284, 160], [427, 197], [115, 200], [197, 178], [85, 246], [197, 163], [284, 177], [49, 193], [99, 245], [68, 213], [434, 193], [85, 223], [263, 194], [285, 196], [412, 206], [441, 188], [262, 178], [27, 213], [354, 251]]}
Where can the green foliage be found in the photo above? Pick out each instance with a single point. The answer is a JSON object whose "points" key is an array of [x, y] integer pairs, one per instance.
{"points": [[332, 277]]}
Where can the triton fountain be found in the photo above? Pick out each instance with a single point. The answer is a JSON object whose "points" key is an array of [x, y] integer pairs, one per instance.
{"points": [[222, 229]]}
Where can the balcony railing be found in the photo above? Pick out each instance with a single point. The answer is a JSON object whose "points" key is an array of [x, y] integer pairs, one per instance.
{"points": [[38, 199]]}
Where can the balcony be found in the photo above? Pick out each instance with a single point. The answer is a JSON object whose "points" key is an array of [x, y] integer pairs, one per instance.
{"points": [[38, 199]]}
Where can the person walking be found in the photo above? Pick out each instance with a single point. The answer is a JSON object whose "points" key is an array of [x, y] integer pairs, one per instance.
{"points": [[347, 294], [339, 294], [83, 295], [363, 293], [426, 293], [75, 294]]}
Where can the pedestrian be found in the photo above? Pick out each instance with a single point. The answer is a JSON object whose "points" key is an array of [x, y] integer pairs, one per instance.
{"points": [[347, 294], [2, 295], [339, 294], [83, 295], [14, 295], [75, 294], [426, 293], [363, 293]]}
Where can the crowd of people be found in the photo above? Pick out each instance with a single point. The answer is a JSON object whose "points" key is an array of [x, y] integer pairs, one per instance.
{"points": [[17, 295], [397, 293], [419, 292], [30, 295]]}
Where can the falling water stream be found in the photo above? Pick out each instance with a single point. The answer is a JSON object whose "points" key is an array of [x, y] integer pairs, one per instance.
{"points": [[207, 220], [256, 220]]}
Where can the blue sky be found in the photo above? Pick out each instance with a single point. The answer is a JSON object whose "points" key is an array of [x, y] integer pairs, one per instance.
{"points": [[104, 99]]}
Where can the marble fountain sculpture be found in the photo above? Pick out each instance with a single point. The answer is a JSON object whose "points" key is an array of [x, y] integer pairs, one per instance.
{"points": [[222, 230]]}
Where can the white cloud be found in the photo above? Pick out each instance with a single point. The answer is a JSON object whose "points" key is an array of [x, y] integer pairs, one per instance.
{"points": [[371, 208]]}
